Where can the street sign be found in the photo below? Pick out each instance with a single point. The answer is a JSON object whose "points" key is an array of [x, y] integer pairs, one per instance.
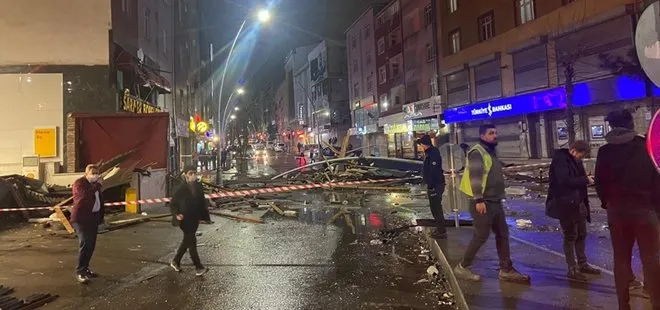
{"points": [[653, 140]]}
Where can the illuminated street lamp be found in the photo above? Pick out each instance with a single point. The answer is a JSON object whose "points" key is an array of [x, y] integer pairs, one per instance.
{"points": [[262, 16], [240, 91], [233, 116], [236, 108]]}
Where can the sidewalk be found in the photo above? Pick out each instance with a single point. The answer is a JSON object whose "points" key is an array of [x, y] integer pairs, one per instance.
{"points": [[550, 288]]}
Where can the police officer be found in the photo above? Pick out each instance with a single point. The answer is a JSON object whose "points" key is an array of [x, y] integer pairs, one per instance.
{"points": [[435, 180]]}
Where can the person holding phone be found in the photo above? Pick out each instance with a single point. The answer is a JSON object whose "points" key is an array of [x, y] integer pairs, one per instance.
{"points": [[189, 207], [568, 201]]}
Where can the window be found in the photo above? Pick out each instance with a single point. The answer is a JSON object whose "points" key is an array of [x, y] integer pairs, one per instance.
{"points": [[430, 54], [124, 6], [355, 66], [428, 15], [356, 90], [455, 41], [157, 36], [368, 56], [353, 41], [526, 10], [396, 70], [165, 42], [367, 31], [147, 29], [370, 82], [382, 75], [394, 38], [384, 105], [453, 5], [381, 46], [486, 26]]}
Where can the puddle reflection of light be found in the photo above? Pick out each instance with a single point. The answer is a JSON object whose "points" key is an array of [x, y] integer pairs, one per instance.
{"points": [[375, 220]]}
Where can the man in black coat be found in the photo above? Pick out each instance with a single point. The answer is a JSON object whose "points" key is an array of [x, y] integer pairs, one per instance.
{"points": [[189, 206], [568, 201], [628, 186], [434, 178]]}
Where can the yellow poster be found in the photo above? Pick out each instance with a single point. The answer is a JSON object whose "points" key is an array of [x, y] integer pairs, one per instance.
{"points": [[45, 142]]}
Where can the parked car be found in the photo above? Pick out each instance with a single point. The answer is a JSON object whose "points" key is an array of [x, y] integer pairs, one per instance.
{"points": [[279, 147]]}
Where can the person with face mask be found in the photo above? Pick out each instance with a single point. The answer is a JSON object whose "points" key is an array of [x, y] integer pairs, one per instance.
{"points": [[483, 183], [568, 201], [86, 216], [189, 207]]}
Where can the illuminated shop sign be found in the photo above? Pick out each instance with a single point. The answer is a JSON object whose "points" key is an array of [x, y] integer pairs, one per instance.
{"points": [[599, 91]]}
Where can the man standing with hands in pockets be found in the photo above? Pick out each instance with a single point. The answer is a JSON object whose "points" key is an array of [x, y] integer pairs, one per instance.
{"points": [[189, 206], [483, 183]]}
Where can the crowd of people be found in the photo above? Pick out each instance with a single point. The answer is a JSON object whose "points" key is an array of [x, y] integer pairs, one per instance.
{"points": [[627, 184]]}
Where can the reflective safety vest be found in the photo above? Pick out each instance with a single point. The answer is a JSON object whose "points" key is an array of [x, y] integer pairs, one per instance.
{"points": [[466, 186]]}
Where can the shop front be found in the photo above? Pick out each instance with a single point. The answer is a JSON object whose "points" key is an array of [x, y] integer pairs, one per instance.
{"points": [[424, 115], [533, 125]]}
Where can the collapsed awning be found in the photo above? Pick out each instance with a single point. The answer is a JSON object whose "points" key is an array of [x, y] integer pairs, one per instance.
{"points": [[147, 77]]}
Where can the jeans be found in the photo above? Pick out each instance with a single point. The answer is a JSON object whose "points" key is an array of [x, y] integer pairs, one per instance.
{"points": [[189, 243], [646, 232], [435, 202], [87, 233], [494, 220], [575, 236]]}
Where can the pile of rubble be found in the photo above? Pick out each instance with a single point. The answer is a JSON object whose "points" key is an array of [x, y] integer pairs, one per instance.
{"points": [[31, 302]]}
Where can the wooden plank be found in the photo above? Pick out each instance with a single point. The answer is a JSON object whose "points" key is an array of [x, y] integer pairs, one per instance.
{"points": [[344, 145], [63, 219], [238, 217]]}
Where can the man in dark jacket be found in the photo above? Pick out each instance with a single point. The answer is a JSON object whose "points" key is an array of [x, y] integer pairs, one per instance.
{"points": [[434, 178], [568, 201], [189, 206], [628, 186], [86, 216]]}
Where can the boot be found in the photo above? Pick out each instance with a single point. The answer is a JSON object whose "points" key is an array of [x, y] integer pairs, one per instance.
{"points": [[575, 275], [586, 269], [512, 275], [465, 273]]}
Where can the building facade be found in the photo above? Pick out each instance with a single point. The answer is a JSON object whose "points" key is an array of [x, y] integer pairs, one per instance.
{"points": [[329, 84], [362, 81], [511, 66]]}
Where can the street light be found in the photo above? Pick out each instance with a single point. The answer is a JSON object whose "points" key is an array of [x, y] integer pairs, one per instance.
{"points": [[240, 91], [233, 116], [236, 108], [262, 16]]}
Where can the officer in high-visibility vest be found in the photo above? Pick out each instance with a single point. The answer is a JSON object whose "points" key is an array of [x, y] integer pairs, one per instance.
{"points": [[483, 183]]}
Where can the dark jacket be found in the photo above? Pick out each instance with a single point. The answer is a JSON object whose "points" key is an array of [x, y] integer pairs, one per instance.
{"points": [[568, 187], [84, 197], [193, 206], [433, 174], [627, 181]]}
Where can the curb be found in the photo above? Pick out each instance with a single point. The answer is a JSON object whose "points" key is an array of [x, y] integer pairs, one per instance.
{"points": [[440, 257]]}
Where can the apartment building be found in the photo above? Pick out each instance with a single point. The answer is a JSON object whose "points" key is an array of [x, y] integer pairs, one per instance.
{"points": [[510, 65]]}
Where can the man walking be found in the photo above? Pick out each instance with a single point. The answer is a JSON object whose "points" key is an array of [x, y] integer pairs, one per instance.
{"points": [[189, 207], [434, 178], [568, 201], [628, 186], [483, 183], [86, 216]]}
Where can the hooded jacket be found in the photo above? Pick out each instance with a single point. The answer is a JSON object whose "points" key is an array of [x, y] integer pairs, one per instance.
{"points": [[189, 200], [627, 182], [568, 187]]}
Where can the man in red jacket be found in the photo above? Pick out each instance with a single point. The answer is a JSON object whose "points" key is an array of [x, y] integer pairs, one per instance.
{"points": [[628, 185], [86, 216]]}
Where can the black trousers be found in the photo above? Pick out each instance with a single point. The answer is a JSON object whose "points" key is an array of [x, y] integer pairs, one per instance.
{"points": [[189, 243], [435, 202], [575, 237], [494, 220], [646, 232], [87, 233]]}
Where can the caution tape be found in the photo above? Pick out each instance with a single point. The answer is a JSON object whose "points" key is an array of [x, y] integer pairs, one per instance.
{"points": [[232, 194]]}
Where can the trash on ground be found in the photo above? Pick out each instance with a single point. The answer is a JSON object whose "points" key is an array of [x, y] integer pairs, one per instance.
{"points": [[523, 224]]}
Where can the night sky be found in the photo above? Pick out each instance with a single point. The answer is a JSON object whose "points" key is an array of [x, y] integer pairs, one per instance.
{"points": [[295, 23]]}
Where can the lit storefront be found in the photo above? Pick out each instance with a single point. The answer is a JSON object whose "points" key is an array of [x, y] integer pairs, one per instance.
{"points": [[532, 125]]}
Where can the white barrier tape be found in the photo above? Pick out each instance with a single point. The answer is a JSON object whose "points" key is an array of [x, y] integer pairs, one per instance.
{"points": [[238, 193]]}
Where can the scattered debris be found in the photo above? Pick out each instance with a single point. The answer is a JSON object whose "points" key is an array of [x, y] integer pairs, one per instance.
{"points": [[237, 217], [376, 242], [432, 270], [523, 224], [31, 302], [516, 191]]}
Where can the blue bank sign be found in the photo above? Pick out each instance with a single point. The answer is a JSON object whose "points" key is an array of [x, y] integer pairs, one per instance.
{"points": [[512, 106], [600, 91]]}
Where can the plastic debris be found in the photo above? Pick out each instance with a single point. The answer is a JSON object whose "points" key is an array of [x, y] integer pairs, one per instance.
{"points": [[376, 242], [523, 223], [432, 270]]}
